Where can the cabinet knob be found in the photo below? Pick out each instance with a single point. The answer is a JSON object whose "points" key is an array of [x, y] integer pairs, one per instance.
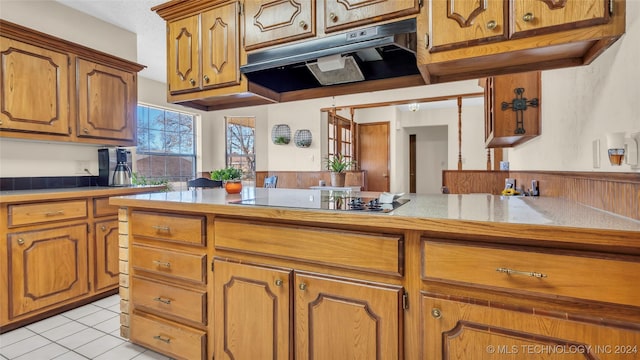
{"points": [[333, 17], [303, 25], [206, 79], [20, 241], [528, 17], [436, 313], [278, 282], [192, 82], [103, 228], [492, 25], [302, 286], [85, 130]]}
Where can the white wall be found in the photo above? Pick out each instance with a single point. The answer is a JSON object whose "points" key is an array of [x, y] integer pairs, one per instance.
{"points": [[582, 104]]}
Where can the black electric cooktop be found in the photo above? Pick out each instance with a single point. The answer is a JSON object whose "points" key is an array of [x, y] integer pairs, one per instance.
{"points": [[323, 200]]}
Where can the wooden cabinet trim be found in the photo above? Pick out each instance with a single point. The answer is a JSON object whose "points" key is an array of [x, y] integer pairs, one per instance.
{"points": [[554, 274], [376, 253], [46, 212], [175, 302], [173, 265], [170, 227], [168, 337]]}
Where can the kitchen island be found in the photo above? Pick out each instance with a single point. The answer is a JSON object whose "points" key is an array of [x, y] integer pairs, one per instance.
{"points": [[439, 277]]}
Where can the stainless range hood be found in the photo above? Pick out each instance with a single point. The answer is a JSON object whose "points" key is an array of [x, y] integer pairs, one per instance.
{"points": [[374, 53]]}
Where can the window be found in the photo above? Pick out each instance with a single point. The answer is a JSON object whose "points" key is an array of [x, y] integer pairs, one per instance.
{"points": [[340, 136], [241, 133], [166, 144]]}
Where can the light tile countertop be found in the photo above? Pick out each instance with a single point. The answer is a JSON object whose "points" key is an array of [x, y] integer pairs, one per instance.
{"points": [[543, 211]]}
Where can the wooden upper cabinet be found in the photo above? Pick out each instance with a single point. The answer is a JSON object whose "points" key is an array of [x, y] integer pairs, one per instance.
{"points": [[220, 46], [183, 52], [29, 73], [471, 39], [344, 14], [203, 50], [543, 16], [106, 102], [269, 23], [459, 23], [512, 104]]}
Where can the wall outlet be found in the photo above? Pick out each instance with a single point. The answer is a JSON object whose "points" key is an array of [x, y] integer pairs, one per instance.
{"points": [[82, 167]]}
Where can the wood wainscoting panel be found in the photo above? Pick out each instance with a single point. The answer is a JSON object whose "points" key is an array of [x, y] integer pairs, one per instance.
{"points": [[618, 193]]}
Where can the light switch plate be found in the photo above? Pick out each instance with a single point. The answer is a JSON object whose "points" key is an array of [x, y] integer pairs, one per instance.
{"points": [[596, 153]]}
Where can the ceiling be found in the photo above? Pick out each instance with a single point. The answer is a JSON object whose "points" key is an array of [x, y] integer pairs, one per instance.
{"points": [[135, 16]]}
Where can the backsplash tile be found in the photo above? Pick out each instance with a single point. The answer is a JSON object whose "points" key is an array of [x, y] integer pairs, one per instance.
{"points": [[46, 182]]}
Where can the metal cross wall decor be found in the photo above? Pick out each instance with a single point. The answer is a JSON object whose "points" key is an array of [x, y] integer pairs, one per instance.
{"points": [[519, 105]]}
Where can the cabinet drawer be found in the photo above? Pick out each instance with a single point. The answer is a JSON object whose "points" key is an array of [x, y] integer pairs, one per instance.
{"points": [[169, 338], [26, 214], [101, 207], [171, 263], [525, 271], [170, 227], [345, 249], [170, 300]]}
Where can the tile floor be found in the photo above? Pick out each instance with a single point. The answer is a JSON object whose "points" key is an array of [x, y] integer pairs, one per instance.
{"points": [[91, 331]]}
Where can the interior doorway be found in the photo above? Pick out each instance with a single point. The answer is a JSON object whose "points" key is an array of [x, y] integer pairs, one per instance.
{"points": [[373, 154], [412, 163]]}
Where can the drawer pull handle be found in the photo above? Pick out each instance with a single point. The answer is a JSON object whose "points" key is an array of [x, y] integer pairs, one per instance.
{"points": [[163, 300], [518, 272], [163, 339], [54, 213], [162, 263], [161, 228]]}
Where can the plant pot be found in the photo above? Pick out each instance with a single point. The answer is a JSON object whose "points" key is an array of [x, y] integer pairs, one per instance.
{"points": [[337, 179], [233, 187]]}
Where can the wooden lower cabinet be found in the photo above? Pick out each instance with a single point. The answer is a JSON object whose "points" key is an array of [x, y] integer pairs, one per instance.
{"points": [[331, 317], [107, 262], [342, 319], [252, 312], [47, 267], [471, 329]]}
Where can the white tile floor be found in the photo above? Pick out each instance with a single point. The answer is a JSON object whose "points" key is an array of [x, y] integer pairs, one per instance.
{"points": [[91, 331]]}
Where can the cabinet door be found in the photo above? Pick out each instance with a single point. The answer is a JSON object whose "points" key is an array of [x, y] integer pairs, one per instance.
{"points": [[28, 73], [516, 116], [106, 102], [459, 331], [462, 23], [46, 267], [533, 17], [343, 14], [252, 312], [268, 23], [341, 319], [107, 268], [183, 69], [220, 46]]}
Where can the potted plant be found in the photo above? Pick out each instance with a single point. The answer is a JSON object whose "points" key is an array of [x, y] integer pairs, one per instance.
{"points": [[338, 164], [231, 177]]}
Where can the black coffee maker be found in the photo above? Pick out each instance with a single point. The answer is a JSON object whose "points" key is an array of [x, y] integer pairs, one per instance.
{"points": [[114, 167]]}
